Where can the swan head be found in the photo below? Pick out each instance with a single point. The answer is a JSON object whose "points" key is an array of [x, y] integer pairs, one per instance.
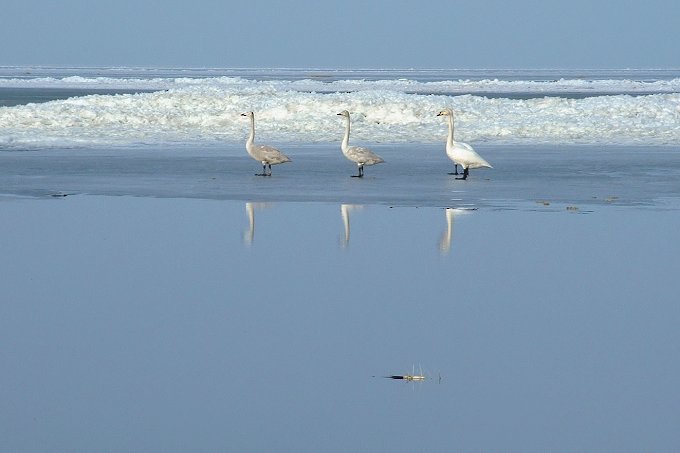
{"points": [[248, 114], [445, 112], [344, 113]]}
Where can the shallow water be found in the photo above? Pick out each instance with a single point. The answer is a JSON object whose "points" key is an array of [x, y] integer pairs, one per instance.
{"points": [[160, 324]]}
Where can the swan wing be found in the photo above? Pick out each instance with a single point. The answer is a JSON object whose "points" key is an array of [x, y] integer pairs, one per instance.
{"points": [[362, 155], [269, 154], [463, 154]]}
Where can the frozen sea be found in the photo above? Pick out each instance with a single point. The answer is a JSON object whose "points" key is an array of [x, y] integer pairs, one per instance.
{"points": [[158, 296], [201, 108]]}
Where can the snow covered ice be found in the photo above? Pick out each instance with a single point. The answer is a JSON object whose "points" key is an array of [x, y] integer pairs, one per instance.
{"points": [[386, 108]]}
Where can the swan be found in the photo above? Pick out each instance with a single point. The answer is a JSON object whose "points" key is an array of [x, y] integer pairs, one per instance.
{"points": [[362, 156], [461, 153], [266, 154]]}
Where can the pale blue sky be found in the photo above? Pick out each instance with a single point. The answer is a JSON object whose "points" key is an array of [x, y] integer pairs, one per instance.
{"points": [[342, 34]]}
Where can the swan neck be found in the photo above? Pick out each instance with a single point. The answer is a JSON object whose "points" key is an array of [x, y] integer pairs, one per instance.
{"points": [[251, 138], [450, 137], [345, 139]]}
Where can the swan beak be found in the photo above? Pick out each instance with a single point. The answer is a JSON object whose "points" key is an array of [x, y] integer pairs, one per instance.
{"points": [[244, 114], [339, 114]]}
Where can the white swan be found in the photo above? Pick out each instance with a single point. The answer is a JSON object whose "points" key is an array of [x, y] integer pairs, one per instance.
{"points": [[362, 156], [461, 153], [267, 155]]}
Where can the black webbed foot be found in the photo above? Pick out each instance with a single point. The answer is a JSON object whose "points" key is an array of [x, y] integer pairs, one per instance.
{"points": [[466, 172]]}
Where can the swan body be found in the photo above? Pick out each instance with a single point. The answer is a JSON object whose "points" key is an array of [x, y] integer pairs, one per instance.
{"points": [[461, 153], [267, 155], [362, 156]]}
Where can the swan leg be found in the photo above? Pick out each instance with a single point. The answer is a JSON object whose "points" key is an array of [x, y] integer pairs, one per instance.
{"points": [[455, 170], [466, 172], [270, 169], [264, 171], [361, 172]]}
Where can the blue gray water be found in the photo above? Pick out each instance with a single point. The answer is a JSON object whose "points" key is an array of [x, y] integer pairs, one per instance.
{"points": [[169, 324]]}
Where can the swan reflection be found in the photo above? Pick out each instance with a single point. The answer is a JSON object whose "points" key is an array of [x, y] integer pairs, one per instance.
{"points": [[249, 235], [345, 209], [346, 212], [447, 235]]}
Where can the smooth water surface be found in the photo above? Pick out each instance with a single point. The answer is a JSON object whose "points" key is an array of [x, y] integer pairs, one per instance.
{"points": [[161, 324]]}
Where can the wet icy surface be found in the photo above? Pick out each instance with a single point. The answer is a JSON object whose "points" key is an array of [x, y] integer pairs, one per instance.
{"points": [[414, 175]]}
